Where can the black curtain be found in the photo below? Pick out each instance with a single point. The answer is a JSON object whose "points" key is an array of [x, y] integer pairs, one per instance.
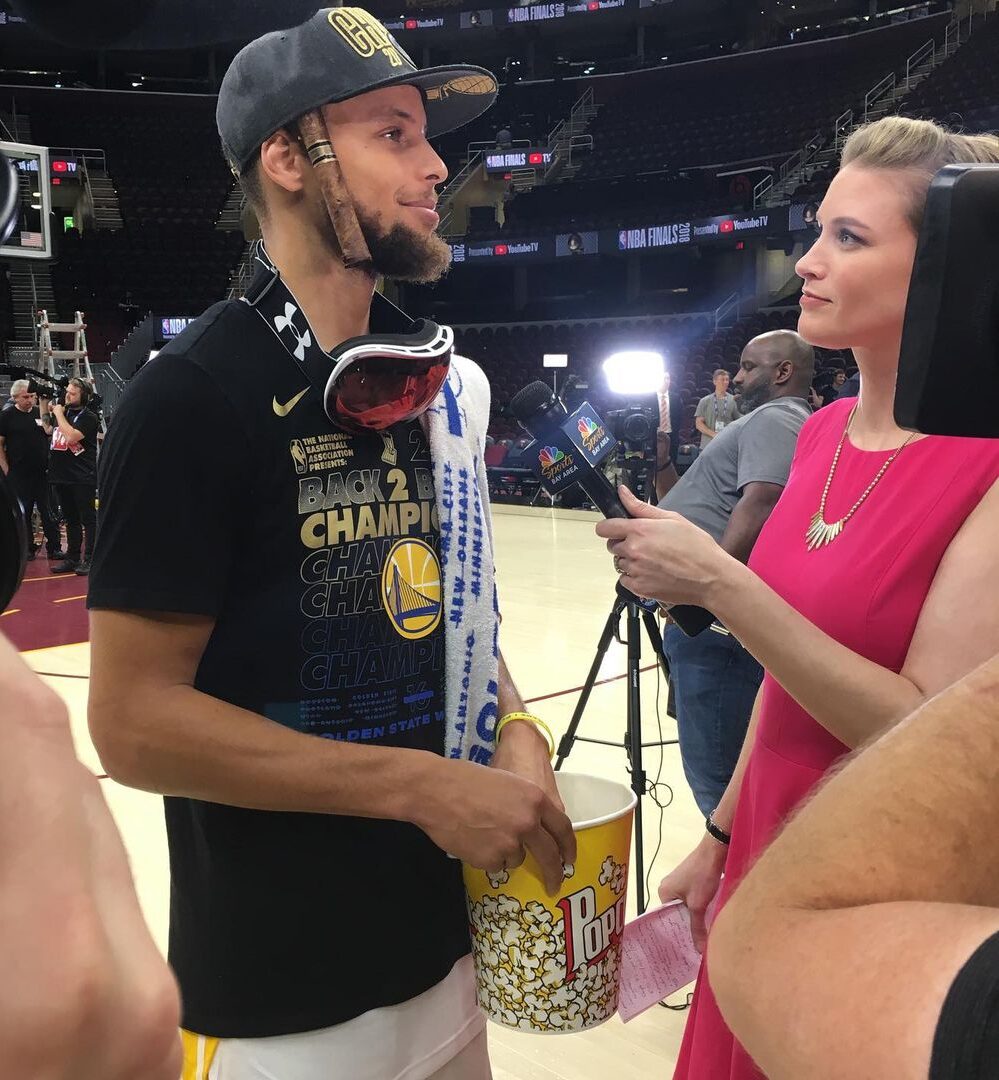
{"points": [[160, 24]]}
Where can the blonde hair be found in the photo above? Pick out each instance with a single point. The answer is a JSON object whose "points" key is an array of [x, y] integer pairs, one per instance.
{"points": [[919, 147]]}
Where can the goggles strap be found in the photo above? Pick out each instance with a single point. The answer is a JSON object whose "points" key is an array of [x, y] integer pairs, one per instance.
{"points": [[275, 303]]}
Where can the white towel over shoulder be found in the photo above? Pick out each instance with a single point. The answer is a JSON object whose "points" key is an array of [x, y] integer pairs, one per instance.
{"points": [[456, 428]]}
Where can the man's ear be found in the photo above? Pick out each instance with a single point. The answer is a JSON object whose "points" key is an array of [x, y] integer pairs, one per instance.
{"points": [[283, 161], [785, 369]]}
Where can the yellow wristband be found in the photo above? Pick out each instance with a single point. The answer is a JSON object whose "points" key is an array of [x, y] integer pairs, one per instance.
{"points": [[531, 719]]}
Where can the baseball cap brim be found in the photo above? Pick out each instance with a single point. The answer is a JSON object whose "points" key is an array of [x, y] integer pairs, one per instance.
{"points": [[452, 95]]}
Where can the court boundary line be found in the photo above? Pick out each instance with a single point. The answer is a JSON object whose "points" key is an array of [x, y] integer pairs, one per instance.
{"points": [[577, 689]]}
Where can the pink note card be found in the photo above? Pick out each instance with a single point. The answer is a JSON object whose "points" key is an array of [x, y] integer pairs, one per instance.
{"points": [[657, 958]]}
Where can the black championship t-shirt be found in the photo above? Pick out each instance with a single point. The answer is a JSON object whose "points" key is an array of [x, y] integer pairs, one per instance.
{"points": [[27, 445], [317, 553], [75, 463]]}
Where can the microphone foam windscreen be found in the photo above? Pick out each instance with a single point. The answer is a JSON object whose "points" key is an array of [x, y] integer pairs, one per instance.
{"points": [[530, 400]]}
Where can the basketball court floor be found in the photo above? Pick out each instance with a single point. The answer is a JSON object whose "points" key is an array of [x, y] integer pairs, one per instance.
{"points": [[556, 590]]}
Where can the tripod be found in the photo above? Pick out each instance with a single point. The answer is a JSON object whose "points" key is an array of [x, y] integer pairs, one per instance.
{"points": [[633, 745]]}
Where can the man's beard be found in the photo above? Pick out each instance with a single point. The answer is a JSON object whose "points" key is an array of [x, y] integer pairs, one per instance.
{"points": [[753, 399], [399, 253]]}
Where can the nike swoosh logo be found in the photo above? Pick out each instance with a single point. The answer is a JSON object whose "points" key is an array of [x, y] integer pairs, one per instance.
{"points": [[283, 410]]}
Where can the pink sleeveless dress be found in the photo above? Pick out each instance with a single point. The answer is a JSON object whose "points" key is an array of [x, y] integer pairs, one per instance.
{"points": [[866, 590]]}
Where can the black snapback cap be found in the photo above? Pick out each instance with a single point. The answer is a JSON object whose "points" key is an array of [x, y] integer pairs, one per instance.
{"points": [[339, 53]]}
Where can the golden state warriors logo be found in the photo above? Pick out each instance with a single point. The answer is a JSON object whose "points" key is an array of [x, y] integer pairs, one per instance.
{"points": [[411, 588]]}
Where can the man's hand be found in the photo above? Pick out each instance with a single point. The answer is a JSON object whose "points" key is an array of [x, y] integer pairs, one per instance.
{"points": [[523, 750], [90, 997], [702, 428], [490, 818]]}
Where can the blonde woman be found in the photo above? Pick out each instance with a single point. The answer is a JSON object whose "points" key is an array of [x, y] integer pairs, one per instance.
{"points": [[904, 525]]}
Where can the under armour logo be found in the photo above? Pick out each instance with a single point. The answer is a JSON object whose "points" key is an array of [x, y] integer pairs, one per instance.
{"points": [[285, 322]]}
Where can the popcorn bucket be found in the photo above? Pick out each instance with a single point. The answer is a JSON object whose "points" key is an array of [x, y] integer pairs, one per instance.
{"points": [[551, 964]]}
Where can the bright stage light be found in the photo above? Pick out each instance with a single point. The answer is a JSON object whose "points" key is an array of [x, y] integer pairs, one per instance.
{"points": [[634, 372]]}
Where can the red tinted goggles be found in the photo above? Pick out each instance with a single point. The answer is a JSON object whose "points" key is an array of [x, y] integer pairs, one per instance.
{"points": [[376, 383]]}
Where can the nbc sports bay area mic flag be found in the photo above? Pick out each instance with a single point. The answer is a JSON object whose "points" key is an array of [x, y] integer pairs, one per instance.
{"points": [[553, 455]]}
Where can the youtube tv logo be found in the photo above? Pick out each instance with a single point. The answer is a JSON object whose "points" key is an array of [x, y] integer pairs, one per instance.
{"points": [[501, 249], [411, 24], [60, 166], [593, 5], [536, 159], [727, 227]]}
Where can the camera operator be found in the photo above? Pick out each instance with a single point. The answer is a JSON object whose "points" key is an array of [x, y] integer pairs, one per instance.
{"points": [[730, 491], [73, 474], [24, 458], [914, 990]]}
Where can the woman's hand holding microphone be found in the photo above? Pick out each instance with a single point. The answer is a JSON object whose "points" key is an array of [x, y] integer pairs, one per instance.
{"points": [[662, 556]]}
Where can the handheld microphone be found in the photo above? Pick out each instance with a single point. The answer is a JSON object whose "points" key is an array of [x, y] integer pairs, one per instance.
{"points": [[542, 415], [538, 410]]}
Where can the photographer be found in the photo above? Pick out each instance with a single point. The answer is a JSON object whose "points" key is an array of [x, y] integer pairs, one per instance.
{"points": [[73, 474], [24, 458]]}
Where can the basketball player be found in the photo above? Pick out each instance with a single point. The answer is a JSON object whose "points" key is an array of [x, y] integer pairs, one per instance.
{"points": [[294, 624]]}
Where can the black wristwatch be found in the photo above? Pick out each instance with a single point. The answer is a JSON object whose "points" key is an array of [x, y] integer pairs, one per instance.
{"points": [[719, 834]]}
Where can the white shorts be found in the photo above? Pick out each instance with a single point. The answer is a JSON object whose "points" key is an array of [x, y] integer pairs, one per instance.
{"points": [[439, 1035]]}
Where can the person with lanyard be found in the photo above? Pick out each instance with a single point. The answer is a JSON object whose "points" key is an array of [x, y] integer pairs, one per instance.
{"points": [[294, 619], [73, 474], [905, 524], [715, 411], [24, 458]]}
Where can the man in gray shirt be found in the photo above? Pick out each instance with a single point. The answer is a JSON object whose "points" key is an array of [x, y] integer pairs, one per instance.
{"points": [[716, 411], [729, 492]]}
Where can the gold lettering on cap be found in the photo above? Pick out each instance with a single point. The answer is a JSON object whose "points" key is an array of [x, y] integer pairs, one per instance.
{"points": [[365, 34]]}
